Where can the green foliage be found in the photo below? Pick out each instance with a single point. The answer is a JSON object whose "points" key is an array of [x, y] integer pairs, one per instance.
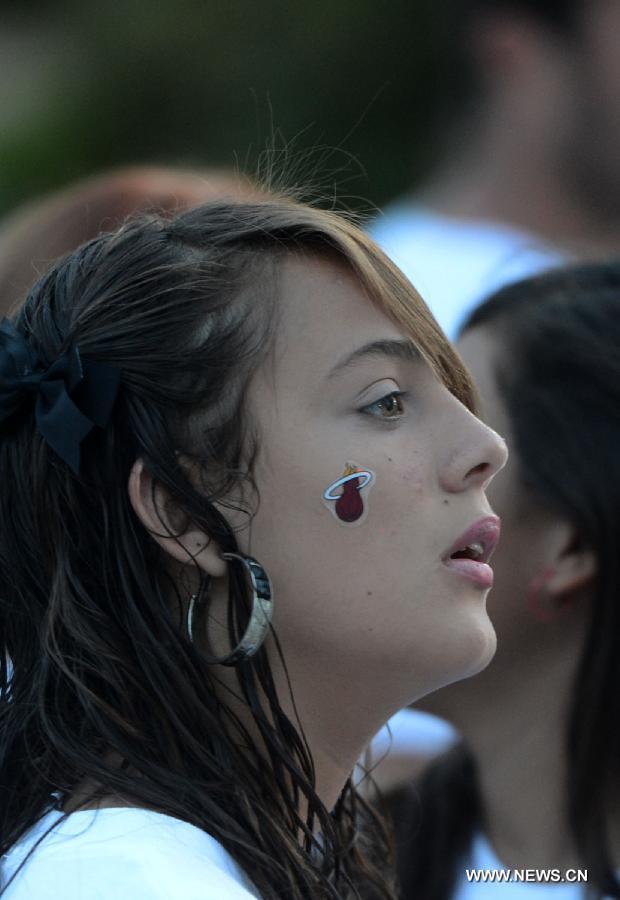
{"points": [[205, 82]]}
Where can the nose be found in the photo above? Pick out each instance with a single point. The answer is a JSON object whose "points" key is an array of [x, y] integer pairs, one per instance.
{"points": [[476, 458]]}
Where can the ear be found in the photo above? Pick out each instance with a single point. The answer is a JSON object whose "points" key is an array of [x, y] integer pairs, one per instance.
{"points": [[169, 526], [574, 562]]}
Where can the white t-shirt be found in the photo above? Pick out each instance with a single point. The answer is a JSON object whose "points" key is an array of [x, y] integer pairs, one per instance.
{"points": [[122, 854], [456, 263]]}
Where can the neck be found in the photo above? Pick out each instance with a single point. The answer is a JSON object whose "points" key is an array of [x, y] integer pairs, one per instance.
{"points": [[494, 180], [518, 738], [526, 825], [339, 722]]}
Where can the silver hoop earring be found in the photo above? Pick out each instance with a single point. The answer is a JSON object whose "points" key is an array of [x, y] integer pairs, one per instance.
{"points": [[190, 616], [260, 615]]}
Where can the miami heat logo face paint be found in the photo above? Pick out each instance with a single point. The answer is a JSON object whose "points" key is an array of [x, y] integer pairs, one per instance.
{"points": [[347, 497]]}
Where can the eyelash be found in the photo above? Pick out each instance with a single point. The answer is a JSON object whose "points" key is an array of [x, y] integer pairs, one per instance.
{"points": [[401, 394]]}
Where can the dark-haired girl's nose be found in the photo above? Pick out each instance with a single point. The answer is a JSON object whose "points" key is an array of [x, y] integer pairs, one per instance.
{"points": [[478, 457]]}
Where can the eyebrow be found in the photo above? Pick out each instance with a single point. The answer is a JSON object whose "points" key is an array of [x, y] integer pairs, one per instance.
{"points": [[386, 349]]}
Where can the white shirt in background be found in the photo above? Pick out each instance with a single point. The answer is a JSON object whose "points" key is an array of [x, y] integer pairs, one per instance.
{"points": [[456, 263], [412, 732]]}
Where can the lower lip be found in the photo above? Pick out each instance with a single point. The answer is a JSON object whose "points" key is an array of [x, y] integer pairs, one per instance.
{"points": [[480, 574]]}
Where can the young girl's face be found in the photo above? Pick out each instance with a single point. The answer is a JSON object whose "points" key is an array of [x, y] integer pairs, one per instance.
{"points": [[361, 589], [531, 531], [534, 536]]}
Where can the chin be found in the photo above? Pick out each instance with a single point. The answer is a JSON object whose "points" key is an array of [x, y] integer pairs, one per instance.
{"points": [[481, 645], [485, 651], [467, 652]]}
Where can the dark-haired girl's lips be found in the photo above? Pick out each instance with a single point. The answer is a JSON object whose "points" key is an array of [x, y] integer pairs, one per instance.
{"points": [[481, 574], [470, 553]]}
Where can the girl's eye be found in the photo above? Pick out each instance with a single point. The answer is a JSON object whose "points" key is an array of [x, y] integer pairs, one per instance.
{"points": [[390, 407]]}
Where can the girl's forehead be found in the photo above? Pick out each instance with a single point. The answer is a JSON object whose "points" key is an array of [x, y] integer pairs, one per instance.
{"points": [[324, 304]]}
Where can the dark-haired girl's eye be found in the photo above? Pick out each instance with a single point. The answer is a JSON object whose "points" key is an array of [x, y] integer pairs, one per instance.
{"points": [[389, 407]]}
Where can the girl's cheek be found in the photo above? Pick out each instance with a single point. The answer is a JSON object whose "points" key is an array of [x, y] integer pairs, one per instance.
{"points": [[413, 480], [348, 495]]}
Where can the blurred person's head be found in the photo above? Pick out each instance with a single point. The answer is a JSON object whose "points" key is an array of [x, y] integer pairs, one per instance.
{"points": [[263, 347], [34, 236], [545, 356], [547, 83]]}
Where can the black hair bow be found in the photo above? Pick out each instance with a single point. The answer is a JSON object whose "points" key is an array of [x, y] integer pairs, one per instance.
{"points": [[73, 395]]}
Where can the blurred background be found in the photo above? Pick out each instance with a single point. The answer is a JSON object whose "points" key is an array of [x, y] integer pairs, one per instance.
{"points": [[88, 85]]}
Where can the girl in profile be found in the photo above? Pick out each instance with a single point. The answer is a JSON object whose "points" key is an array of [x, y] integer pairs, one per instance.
{"points": [[534, 782], [197, 645]]}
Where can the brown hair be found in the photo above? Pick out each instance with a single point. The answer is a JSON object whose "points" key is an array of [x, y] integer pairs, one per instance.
{"points": [[102, 667]]}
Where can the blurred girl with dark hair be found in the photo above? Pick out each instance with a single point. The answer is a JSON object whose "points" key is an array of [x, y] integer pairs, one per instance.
{"points": [[534, 784], [242, 412]]}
